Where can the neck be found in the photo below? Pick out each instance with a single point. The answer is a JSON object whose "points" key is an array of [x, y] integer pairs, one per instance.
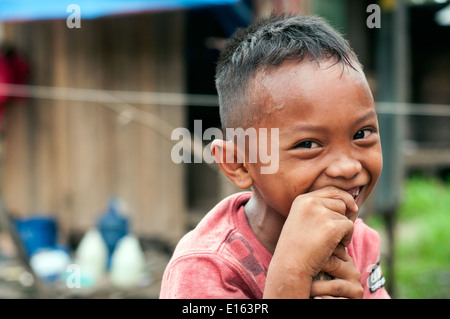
{"points": [[264, 221]]}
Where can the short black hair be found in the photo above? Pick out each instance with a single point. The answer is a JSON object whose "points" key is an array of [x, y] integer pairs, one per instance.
{"points": [[268, 43]]}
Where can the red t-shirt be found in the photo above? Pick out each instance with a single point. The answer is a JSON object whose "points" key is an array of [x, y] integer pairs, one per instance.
{"points": [[222, 258]]}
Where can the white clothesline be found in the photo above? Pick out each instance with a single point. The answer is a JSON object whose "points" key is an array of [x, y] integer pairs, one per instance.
{"points": [[119, 102], [106, 96], [180, 99]]}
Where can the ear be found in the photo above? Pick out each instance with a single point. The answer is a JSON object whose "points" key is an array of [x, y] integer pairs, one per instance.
{"points": [[231, 161]]}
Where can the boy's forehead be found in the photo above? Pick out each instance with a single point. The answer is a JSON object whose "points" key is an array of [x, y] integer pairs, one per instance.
{"points": [[306, 76], [307, 84]]}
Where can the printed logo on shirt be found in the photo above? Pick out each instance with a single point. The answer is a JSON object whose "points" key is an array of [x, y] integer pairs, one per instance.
{"points": [[376, 279], [246, 254]]}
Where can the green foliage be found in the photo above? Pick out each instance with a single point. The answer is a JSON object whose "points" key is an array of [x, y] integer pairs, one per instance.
{"points": [[422, 240]]}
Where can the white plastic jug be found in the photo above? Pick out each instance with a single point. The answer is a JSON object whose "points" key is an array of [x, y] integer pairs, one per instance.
{"points": [[127, 262], [91, 256]]}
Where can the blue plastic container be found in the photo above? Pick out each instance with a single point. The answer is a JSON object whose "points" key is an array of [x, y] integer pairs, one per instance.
{"points": [[37, 232], [113, 226]]}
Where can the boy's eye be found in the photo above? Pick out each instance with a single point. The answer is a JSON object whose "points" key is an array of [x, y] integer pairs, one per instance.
{"points": [[307, 144], [362, 134]]}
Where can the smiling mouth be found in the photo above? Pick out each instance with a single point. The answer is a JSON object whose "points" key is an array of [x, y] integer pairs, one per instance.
{"points": [[355, 192]]}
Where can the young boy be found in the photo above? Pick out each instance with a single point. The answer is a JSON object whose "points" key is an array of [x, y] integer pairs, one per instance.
{"points": [[297, 75]]}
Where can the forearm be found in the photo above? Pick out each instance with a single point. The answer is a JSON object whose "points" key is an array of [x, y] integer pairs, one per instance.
{"points": [[286, 283]]}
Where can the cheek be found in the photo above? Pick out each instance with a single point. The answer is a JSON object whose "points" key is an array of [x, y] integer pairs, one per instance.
{"points": [[294, 182], [302, 180], [374, 166], [278, 190], [377, 163]]}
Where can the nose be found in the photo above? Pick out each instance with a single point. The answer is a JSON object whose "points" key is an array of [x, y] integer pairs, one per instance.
{"points": [[344, 167]]}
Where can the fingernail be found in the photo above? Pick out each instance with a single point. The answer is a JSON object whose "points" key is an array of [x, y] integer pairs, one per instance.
{"points": [[317, 297]]}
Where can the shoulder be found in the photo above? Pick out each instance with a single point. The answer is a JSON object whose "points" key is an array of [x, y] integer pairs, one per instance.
{"points": [[203, 265], [208, 272], [215, 227]]}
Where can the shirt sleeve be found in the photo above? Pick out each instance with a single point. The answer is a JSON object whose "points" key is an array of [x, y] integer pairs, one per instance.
{"points": [[365, 251], [203, 276]]}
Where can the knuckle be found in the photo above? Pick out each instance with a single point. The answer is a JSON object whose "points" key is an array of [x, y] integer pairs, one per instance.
{"points": [[331, 227], [349, 225], [310, 201], [301, 200]]}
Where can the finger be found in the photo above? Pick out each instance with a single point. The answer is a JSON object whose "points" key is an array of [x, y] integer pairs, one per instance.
{"points": [[341, 253], [334, 204], [328, 297], [347, 227], [340, 264], [335, 288], [343, 227], [339, 268], [337, 193]]}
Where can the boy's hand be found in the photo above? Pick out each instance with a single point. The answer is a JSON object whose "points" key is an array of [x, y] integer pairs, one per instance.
{"points": [[317, 223], [347, 279]]}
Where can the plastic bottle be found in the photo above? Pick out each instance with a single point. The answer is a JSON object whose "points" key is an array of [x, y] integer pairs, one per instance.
{"points": [[37, 232], [113, 226], [127, 263], [91, 256]]}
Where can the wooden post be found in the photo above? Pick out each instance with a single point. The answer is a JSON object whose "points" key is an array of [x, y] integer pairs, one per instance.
{"points": [[392, 69]]}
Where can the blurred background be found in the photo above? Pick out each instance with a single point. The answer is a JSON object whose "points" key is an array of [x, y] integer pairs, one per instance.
{"points": [[91, 203]]}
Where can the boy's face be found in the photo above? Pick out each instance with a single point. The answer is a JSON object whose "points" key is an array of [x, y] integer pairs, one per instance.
{"points": [[328, 132]]}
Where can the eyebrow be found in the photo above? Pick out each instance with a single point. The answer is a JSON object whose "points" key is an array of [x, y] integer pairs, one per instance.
{"points": [[369, 116], [320, 128]]}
